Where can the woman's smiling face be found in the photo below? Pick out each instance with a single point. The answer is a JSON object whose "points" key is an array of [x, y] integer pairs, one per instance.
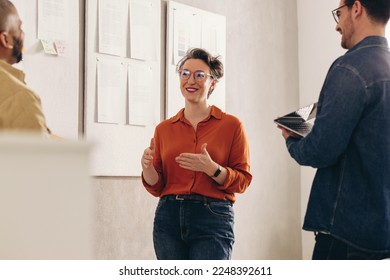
{"points": [[194, 88]]}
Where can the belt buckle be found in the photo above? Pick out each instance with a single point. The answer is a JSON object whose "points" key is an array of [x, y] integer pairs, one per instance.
{"points": [[179, 197]]}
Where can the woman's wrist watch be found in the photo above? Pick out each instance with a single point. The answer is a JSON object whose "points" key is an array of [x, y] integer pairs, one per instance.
{"points": [[217, 172]]}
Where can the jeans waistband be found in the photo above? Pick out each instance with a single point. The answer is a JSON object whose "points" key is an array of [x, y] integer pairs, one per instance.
{"points": [[192, 197]]}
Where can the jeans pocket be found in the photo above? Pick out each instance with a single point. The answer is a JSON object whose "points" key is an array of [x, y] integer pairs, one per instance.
{"points": [[221, 209], [160, 203]]}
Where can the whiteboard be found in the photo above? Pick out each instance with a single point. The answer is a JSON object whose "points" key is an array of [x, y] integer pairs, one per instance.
{"points": [[55, 79], [119, 138], [189, 27]]}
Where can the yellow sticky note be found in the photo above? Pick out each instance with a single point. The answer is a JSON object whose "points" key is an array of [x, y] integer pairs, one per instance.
{"points": [[48, 46]]}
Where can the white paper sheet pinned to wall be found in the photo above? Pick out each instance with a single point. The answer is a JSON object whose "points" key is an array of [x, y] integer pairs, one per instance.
{"points": [[186, 33], [110, 88], [112, 31], [140, 95], [53, 18], [142, 45]]}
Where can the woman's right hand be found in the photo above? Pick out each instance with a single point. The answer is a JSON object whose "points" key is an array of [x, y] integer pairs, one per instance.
{"points": [[147, 157], [149, 173]]}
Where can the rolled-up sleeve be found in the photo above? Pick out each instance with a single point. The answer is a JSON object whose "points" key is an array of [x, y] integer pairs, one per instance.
{"points": [[239, 177]]}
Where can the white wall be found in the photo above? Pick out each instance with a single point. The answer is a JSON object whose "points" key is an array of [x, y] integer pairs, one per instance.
{"points": [[262, 83], [319, 46]]}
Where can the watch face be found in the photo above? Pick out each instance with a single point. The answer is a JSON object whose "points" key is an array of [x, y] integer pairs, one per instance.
{"points": [[217, 172]]}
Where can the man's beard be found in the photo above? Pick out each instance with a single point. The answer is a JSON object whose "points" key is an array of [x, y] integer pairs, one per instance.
{"points": [[17, 52]]}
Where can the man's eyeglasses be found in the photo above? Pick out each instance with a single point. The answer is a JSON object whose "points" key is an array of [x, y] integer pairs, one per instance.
{"points": [[199, 76], [336, 13]]}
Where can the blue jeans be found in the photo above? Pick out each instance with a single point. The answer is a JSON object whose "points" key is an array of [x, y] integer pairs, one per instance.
{"points": [[193, 230], [329, 248]]}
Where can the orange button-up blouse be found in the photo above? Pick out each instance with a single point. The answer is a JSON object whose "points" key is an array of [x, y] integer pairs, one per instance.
{"points": [[226, 143]]}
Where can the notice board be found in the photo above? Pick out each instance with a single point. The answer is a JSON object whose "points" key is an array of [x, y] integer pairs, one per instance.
{"points": [[122, 94]]}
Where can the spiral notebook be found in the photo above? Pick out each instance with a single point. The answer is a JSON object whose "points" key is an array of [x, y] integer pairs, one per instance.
{"points": [[300, 121]]}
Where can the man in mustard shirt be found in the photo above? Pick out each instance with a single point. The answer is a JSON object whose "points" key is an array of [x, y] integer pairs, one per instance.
{"points": [[20, 107]]}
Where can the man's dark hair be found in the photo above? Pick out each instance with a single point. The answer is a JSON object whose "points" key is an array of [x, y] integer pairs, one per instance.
{"points": [[378, 10]]}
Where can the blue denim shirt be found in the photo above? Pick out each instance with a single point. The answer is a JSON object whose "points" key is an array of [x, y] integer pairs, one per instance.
{"points": [[350, 147]]}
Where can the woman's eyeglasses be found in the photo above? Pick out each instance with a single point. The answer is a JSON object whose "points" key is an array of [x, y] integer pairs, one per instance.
{"points": [[199, 76]]}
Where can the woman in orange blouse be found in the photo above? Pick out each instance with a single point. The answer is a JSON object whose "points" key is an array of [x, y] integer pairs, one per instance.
{"points": [[195, 163]]}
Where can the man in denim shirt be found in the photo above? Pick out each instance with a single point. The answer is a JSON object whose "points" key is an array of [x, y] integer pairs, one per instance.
{"points": [[349, 204]]}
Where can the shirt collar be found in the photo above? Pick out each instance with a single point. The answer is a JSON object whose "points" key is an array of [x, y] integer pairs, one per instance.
{"points": [[370, 41], [12, 70], [215, 112]]}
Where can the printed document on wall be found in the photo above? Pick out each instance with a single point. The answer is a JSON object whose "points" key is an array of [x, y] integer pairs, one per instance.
{"points": [[186, 34], [210, 32], [142, 20], [112, 26], [53, 19], [141, 109], [110, 88]]}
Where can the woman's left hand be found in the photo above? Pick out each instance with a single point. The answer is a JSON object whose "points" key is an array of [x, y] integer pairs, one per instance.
{"points": [[198, 162]]}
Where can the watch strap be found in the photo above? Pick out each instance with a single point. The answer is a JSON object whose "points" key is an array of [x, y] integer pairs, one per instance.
{"points": [[217, 172]]}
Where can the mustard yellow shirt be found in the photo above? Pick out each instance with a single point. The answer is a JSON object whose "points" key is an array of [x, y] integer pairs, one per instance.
{"points": [[226, 143], [20, 107]]}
